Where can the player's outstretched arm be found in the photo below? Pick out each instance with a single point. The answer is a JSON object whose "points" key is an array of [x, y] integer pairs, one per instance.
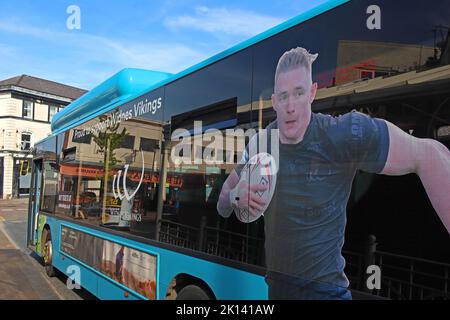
{"points": [[429, 159]]}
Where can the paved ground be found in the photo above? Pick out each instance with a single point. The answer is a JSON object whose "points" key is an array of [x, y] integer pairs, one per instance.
{"points": [[21, 273]]}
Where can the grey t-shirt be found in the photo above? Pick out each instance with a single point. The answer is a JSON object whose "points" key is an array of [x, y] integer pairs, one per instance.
{"points": [[305, 221]]}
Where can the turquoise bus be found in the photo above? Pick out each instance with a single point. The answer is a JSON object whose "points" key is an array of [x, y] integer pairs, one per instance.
{"points": [[111, 208]]}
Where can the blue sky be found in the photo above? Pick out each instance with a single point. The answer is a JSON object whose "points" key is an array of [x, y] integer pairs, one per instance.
{"points": [[168, 35]]}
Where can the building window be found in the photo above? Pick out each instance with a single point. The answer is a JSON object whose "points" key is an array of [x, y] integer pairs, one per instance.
{"points": [[366, 74], [52, 110], [25, 141], [148, 144], [127, 142], [27, 109]]}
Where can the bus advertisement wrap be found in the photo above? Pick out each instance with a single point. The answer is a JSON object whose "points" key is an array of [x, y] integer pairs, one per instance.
{"points": [[130, 267], [309, 164]]}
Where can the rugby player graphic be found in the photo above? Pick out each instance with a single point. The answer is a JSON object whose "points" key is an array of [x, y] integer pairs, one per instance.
{"points": [[304, 204]]}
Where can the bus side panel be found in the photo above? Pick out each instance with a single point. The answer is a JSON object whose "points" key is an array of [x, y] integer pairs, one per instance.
{"points": [[221, 279], [88, 278], [92, 280], [225, 282], [107, 290]]}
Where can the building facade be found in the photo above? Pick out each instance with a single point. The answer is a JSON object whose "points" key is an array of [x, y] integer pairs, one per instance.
{"points": [[27, 105]]}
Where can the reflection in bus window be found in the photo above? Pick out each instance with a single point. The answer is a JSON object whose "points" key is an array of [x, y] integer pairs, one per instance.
{"points": [[106, 179], [215, 99]]}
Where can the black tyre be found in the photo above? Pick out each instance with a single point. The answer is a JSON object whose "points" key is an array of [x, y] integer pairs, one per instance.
{"points": [[193, 292], [47, 255]]}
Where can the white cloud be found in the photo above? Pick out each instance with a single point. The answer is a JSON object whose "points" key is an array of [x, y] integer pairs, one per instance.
{"points": [[168, 57], [222, 20], [84, 59]]}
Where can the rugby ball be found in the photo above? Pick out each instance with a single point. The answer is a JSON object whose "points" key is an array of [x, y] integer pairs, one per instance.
{"points": [[261, 169]]}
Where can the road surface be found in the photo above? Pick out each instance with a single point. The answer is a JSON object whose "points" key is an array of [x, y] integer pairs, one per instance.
{"points": [[22, 275]]}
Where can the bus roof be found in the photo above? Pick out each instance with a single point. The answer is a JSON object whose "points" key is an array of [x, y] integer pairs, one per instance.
{"points": [[119, 88], [130, 83]]}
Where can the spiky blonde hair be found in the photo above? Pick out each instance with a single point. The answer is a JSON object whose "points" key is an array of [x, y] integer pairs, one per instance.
{"points": [[294, 58]]}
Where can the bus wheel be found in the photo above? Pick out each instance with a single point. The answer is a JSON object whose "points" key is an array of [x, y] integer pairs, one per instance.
{"points": [[47, 255], [192, 292]]}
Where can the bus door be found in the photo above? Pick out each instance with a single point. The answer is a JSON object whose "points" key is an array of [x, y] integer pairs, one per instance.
{"points": [[35, 196]]}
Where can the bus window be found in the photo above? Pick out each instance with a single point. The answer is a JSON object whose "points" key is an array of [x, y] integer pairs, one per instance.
{"points": [[49, 186], [386, 74], [47, 150], [109, 170], [214, 125]]}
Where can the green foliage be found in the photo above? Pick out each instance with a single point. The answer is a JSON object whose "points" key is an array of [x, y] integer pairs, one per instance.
{"points": [[111, 137]]}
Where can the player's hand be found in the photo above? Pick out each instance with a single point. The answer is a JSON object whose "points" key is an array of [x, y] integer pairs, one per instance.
{"points": [[249, 199]]}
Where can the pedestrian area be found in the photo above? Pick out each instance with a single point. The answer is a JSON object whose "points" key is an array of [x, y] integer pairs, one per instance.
{"points": [[20, 275]]}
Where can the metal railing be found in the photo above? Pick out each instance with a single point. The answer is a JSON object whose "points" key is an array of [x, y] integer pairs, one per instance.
{"points": [[408, 278], [233, 245], [213, 240], [178, 234], [402, 277]]}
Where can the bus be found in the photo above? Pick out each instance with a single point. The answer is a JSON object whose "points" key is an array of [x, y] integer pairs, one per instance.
{"points": [[114, 205]]}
